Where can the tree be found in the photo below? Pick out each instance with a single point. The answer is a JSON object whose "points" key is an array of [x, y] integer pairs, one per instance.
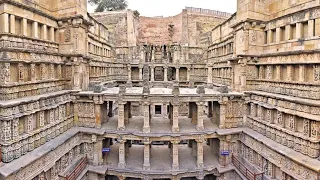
{"points": [[109, 5]]}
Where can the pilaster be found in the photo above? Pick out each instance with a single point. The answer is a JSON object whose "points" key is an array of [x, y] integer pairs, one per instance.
{"points": [[4, 20], [311, 29], [175, 155], [146, 117], [178, 74], [209, 75], [165, 75], [146, 154], [122, 154], [35, 30], [200, 117], [121, 126], [200, 152], [12, 24], [175, 118]]}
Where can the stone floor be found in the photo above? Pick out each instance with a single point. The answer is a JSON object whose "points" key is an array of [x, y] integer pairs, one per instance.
{"points": [[159, 125], [160, 159]]}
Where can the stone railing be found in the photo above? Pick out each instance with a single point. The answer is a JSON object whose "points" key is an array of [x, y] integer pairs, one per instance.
{"points": [[303, 90], [18, 90], [18, 42], [248, 172], [286, 138]]}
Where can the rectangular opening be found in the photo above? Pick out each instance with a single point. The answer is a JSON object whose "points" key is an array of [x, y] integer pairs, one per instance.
{"points": [[157, 109], [274, 35], [305, 30], [282, 33], [293, 31]]}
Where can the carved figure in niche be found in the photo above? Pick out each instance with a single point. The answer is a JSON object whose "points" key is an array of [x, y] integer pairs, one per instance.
{"points": [[67, 35]]}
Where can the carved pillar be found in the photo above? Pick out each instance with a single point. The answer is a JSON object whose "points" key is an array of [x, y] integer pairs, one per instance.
{"points": [[146, 117], [178, 74], [299, 31], [200, 153], [35, 30], [121, 112], [301, 73], [52, 35], [140, 73], [200, 108], [5, 73], [4, 20], [97, 153], [122, 154], [6, 134], [269, 38], [146, 154], [152, 73], [311, 28], [288, 32], [289, 73], [175, 155], [129, 74], [97, 111], [175, 117], [278, 72], [209, 75], [278, 35], [165, 75], [188, 74], [44, 32], [12, 24], [223, 108]]}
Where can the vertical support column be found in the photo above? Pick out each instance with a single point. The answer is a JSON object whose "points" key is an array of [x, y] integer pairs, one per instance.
{"points": [[278, 72], [301, 73], [165, 74], [299, 30], [97, 111], [175, 155], [35, 30], [152, 73], [146, 117], [223, 108], [32, 72], [140, 73], [209, 76], [129, 74], [311, 28], [200, 109], [175, 118], [12, 24], [200, 153], [122, 154], [4, 21], [178, 74], [278, 35], [289, 73], [269, 38], [188, 74], [121, 126], [164, 110], [24, 27], [52, 35], [146, 154], [44, 34], [97, 156], [288, 32]]}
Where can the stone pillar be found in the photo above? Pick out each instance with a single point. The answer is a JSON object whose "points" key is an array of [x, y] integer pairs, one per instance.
{"points": [[146, 155], [52, 35], [122, 154], [175, 118], [97, 156], [152, 73], [129, 74], [278, 72], [289, 73], [175, 155], [269, 38], [209, 75], [299, 30], [121, 126], [165, 110], [44, 34], [32, 72], [200, 153], [223, 107], [24, 27], [165, 75], [188, 74], [97, 111], [12, 24], [35, 30], [178, 74], [301, 73], [278, 35], [288, 32], [146, 117], [200, 108], [4, 21], [311, 29], [140, 73]]}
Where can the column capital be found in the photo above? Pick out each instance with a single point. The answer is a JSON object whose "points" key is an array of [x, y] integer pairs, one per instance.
{"points": [[146, 141], [175, 142], [200, 103]]}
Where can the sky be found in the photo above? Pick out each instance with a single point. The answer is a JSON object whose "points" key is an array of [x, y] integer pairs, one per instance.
{"points": [[166, 8]]}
